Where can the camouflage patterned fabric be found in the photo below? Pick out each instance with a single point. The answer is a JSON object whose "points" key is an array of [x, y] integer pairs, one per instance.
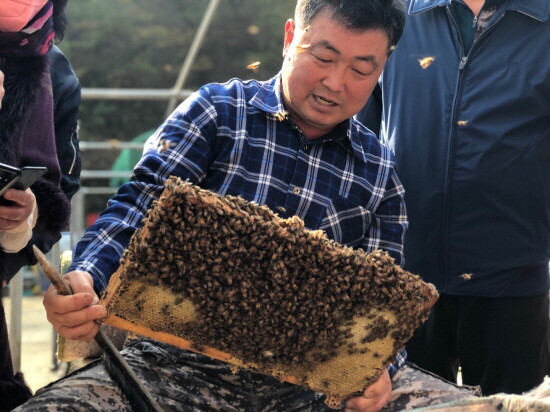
{"points": [[184, 381], [416, 388]]}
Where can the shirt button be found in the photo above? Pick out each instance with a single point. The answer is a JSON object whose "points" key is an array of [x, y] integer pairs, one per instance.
{"points": [[296, 191]]}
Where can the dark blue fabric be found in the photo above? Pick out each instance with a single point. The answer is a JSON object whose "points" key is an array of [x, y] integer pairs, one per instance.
{"points": [[472, 143]]}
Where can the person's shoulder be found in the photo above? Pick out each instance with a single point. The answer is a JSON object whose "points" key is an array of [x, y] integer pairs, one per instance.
{"points": [[56, 56], [59, 63], [64, 79]]}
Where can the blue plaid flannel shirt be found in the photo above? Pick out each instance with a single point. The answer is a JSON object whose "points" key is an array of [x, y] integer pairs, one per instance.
{"points": [[234, 138]]}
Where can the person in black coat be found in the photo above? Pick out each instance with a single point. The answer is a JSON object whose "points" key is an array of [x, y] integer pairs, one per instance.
{"points": [[38, 127]]}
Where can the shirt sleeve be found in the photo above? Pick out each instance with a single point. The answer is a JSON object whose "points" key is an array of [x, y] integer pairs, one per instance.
{"points": [[14, 240], [398, 363], [387, 231], [180, 147]]}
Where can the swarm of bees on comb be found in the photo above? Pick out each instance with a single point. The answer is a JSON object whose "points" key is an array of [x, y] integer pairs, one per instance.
{"points": [[231, 279]]}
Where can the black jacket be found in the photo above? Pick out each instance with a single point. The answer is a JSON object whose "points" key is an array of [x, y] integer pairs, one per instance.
{"points": [[66, 94]]}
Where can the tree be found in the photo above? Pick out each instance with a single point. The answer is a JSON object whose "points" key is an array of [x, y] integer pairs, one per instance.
{"points": [[143, 43]]}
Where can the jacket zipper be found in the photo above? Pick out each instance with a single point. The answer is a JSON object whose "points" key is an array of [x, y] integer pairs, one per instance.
{"points": [[74, 154], [74, 159], [447, 189]]}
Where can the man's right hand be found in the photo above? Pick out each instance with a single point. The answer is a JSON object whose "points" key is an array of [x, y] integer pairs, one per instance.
{"points": [[74, 316]]}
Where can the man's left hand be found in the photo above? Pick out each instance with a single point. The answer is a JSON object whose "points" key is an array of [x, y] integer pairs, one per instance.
{"points": [[374, 398]]}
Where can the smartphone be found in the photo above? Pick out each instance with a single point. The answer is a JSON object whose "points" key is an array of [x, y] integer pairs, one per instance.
{"points": [[19, 178]]}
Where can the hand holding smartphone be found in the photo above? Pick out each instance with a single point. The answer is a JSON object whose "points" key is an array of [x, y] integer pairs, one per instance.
{"points": [[18, 178]]}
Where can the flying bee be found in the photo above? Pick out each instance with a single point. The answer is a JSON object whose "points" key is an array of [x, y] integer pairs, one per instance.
{"points": [[253, 66], [466, 276], [426, 62]]}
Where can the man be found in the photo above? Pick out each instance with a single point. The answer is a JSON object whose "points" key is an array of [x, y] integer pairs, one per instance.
{"points": [[289, 142], [466, 107]]}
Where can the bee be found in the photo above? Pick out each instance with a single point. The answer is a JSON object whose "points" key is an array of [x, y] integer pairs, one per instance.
{"points": [[165, 309], [466, 276], [139, 305], [253, 66], [281, 115], [165, 144], [462, 122], [198, 347], [426, 62]]}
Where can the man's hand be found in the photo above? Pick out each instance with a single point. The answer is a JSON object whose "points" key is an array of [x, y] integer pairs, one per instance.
{"points": [[15, 215], [74, 316], [374, 398]]}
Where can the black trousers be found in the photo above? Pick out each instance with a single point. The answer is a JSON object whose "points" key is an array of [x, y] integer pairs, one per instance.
{"points": [[13, 389], [500, 344]]}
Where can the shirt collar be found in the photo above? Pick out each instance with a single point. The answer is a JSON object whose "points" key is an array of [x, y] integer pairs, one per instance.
{"points": [[269, 99], [537, 9]]}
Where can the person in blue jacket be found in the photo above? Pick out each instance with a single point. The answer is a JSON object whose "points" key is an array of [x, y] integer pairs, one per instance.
{"points": [[465, 105]]}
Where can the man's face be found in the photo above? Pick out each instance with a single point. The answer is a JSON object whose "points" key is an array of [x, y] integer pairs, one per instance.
{"points": [[329, 72]]}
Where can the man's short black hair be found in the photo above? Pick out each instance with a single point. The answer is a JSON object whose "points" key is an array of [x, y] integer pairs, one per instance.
{"points": [[385, 15]]}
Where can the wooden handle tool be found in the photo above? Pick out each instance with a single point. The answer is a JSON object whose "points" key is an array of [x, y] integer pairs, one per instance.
{"points": [[120, 371]]}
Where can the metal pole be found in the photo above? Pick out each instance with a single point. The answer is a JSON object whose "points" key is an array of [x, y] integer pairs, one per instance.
{"points": [[92, 93], [55, 256], [16, 300], [193, 50], [77, 216]]}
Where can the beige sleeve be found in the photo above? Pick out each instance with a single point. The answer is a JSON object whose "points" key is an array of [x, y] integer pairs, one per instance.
{"points": [[13, 240]]}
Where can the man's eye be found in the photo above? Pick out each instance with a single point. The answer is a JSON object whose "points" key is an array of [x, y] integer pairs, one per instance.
{"points": [[359, 72], [322, 60]]}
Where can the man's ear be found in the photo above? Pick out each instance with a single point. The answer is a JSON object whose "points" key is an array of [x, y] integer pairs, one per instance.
{"points": [[289, 35]]}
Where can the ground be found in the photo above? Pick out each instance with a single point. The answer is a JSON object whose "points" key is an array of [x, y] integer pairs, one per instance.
{"points": [[37, 342]]}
